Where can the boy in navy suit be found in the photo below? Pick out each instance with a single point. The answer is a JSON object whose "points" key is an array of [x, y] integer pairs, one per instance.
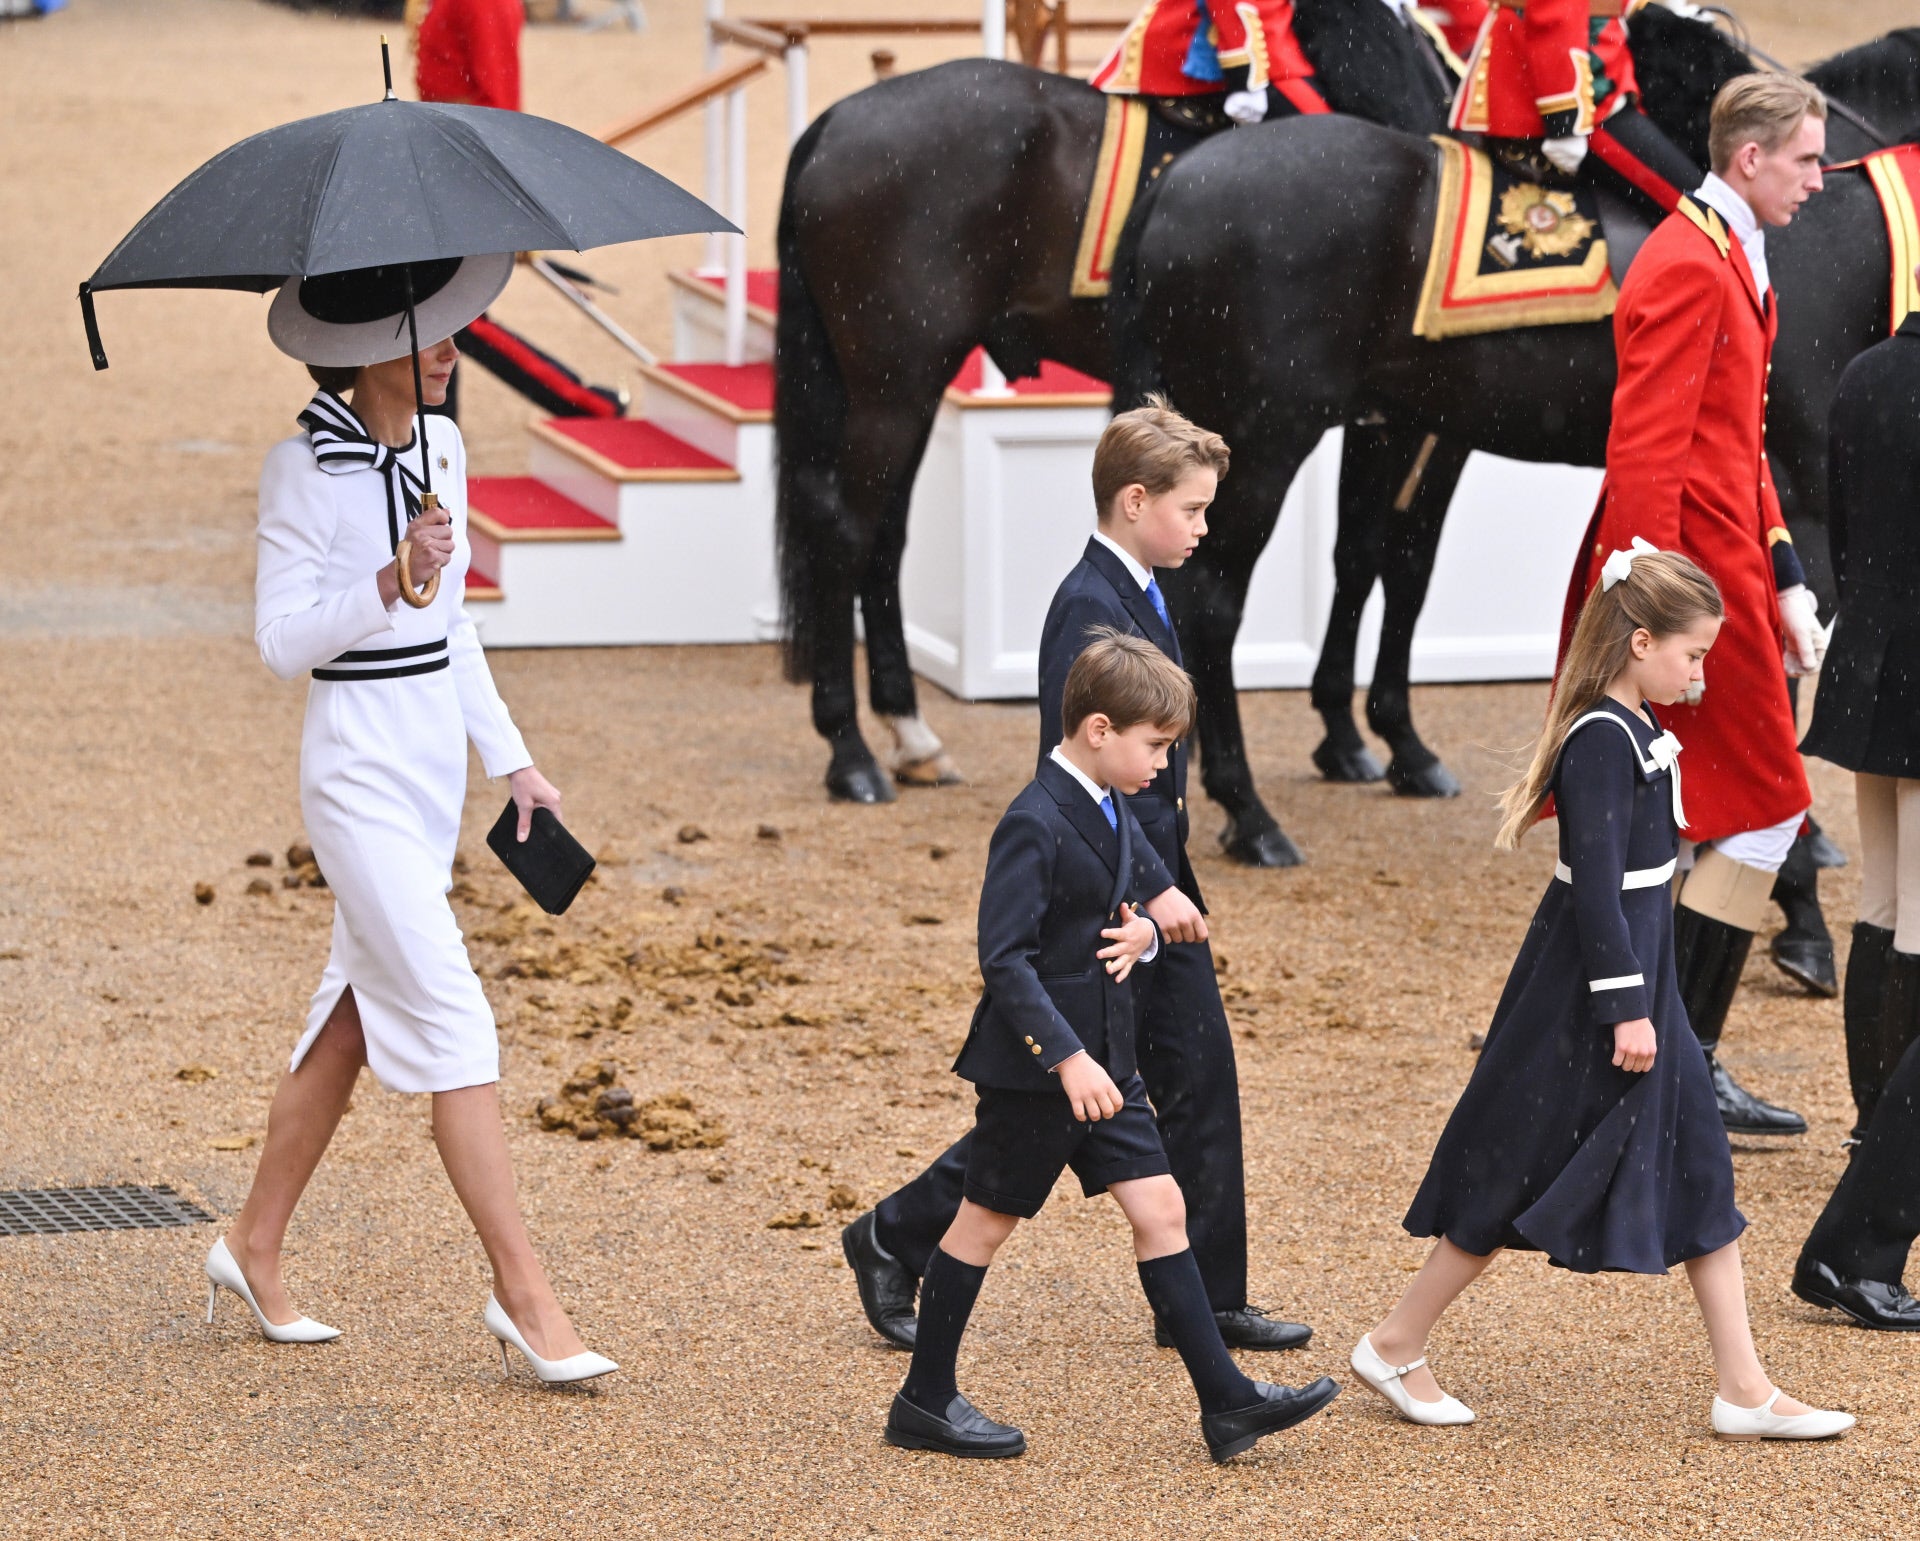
{"points": [[1154, 474], [1051, 1053]]}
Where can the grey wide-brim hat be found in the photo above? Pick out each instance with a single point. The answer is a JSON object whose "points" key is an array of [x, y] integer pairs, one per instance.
{"points": [[343, 320]]}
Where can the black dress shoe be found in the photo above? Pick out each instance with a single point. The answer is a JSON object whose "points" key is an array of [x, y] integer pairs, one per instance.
{"points": [[1249, 1327], [1279, 1407], [965, 1431], [1743, 1113], [886, 1287], [1884, 1307], [1808, 960]]}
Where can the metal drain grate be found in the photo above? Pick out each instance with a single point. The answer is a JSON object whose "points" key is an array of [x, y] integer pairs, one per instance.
{"points": [[122, 1207]]}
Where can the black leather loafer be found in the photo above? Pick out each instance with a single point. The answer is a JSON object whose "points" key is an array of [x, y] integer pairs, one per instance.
{"points": [[1883, 1307], [886, 1288], [1743, 1113], [1279, 1407], [965, 1431], [1249, 1327]]}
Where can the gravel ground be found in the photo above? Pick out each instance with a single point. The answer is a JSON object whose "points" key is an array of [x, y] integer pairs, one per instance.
{"points": [[798, 974]]}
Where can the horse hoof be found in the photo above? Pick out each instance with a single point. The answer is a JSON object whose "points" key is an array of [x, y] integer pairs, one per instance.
{"points": [[1268, 847], [1353, 764], [1432, 780], [855, 782], [939, 771]]}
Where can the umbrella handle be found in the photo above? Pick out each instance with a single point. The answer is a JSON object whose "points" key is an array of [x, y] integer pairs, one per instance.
{"points": [[423, 597]]}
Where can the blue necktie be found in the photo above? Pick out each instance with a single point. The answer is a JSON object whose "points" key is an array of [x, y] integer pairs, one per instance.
{"points": [[1159, 603], [1106, 807]]}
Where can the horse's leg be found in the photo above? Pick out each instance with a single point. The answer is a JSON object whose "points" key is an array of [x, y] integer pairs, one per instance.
{"points": [[1413, 521], [1209, 596], [918, 758], [1366, 456]]}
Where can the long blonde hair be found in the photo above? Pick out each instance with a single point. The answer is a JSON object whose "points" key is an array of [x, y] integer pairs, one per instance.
{"points": [[1664, 593]]}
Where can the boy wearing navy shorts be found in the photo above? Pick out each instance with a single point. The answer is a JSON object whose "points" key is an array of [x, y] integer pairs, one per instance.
{"points": [[1051, 1054]]}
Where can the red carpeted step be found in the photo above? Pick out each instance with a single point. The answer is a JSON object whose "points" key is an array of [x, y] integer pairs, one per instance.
{"points": [[520, 508], [632, 448], [1053, 380], [763, 286], [745, 388], [481, 586]]}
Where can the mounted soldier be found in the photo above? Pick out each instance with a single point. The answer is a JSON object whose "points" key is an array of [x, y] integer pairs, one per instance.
{"points": [[1242, 53], [1556, 77]]}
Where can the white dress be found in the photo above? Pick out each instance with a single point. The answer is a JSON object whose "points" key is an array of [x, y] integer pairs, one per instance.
{"points": [[383, 760]]}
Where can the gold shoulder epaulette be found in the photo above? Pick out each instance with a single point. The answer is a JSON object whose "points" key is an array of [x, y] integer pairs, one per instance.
{"points": [[1709, 222]]}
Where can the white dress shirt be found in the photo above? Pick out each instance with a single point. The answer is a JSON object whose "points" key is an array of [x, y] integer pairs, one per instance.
{"points": [[1141, 575], [1742, 221], [1100, 794]]}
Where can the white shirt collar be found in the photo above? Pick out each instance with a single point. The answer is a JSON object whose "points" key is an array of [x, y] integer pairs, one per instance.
{"points": [[1094, 790], [1744, 223], [1141, 575]]}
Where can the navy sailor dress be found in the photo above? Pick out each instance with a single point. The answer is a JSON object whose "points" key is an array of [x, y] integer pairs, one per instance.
{"points": [[1551, 1148]]}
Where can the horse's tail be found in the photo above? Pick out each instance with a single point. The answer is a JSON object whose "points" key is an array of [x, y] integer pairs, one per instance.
{"points": [[809, 420], [1138, 372]]}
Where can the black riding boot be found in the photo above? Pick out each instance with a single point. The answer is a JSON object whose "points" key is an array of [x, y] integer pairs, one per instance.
{"points": [[1708, 956], [1870, 1056], [1804, 950]]}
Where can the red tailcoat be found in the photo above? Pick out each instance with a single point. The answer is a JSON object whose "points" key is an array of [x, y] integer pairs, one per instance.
{"points": [[1687, 470], [1533, 73], [1151, 57], [469, 51]]}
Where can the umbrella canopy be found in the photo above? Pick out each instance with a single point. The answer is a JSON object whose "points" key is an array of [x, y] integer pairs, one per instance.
{"points": [[390, 182]]}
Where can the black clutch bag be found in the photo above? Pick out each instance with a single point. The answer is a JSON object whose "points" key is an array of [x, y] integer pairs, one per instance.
{"points": [[550, 864]]}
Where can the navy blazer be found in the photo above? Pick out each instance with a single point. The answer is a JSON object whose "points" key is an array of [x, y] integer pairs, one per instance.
{"points": [[1056, 875], [1101, 592]]}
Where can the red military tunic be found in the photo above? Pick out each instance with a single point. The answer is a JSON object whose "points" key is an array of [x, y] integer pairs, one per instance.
{"points": [[1181, 47], [1687, 470], [469, 51], [1554, 68]]}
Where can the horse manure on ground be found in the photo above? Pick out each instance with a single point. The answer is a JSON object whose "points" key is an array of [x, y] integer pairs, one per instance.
{"points": [[592, 1105]]}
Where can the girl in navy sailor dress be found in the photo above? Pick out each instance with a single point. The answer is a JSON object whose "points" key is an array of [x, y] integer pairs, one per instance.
{"points": [[1588, 1129]]}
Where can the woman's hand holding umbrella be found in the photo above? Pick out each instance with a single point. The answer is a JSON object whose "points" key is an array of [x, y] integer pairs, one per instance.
{"points": [[424, 550]]}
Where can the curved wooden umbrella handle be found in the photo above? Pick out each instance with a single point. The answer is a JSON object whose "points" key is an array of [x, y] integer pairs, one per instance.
{"points": [[424, 597]]}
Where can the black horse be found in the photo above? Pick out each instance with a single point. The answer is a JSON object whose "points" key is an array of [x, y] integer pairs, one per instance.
{"points": [[1272, 327], [924, 217]]}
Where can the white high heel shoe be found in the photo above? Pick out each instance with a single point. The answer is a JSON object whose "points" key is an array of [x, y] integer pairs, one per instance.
{"points": [[224, 1273], [552, 1372], [1386, 1379], [1762, 1422]]}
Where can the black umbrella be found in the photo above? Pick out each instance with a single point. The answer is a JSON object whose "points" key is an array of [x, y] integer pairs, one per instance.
{"points": [[389, 183]]}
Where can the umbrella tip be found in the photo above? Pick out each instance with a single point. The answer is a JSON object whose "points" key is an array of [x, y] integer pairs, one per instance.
{"points": [[386, 68]]}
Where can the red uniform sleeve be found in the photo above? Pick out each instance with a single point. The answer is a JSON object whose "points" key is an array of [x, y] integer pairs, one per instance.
{"points": [[1559, 66], [1258, 34], [1665, 335]]}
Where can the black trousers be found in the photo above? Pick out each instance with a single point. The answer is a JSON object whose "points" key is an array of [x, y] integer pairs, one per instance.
{"points": [[1185, 1052], [1873, 1216]]}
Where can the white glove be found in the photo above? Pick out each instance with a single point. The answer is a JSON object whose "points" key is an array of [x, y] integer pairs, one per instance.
{"points": [[1806, 637], [1565, 153], [1245, 106]]}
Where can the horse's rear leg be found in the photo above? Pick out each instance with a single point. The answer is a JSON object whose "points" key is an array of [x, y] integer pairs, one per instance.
{"points": [[1412, 536], [918, 759], [1373, 461], [1209, 596]]}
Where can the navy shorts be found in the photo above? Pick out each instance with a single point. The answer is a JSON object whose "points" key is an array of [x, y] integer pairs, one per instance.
{"points": [[1023, 1141]]}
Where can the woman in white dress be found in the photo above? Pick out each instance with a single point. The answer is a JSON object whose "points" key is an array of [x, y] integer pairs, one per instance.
{"points": [[398, 690]]}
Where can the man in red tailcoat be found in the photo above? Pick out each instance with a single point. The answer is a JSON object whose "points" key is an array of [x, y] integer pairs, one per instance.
{"points": [[469, 51], [1559, 74], [1244, 49], [1687, 470]]}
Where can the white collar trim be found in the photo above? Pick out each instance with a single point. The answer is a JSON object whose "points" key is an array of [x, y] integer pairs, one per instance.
{"points": [[1093, 788], [1141, 575]]}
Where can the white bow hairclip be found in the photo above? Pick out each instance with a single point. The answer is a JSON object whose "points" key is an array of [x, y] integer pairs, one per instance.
{"points": [[1621, 562]]}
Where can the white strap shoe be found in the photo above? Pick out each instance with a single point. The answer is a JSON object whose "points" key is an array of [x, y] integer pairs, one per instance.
{"points": [[223, 1273], [552, 1372], [1386, 1379], [1762, 1422]]}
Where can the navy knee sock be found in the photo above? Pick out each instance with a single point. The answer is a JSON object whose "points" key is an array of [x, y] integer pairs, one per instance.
{"points": [[1179, 1298], [947, 1294]]}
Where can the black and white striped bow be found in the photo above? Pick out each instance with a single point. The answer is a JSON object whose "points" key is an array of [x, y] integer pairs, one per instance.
{"points": [[341, 444]]}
